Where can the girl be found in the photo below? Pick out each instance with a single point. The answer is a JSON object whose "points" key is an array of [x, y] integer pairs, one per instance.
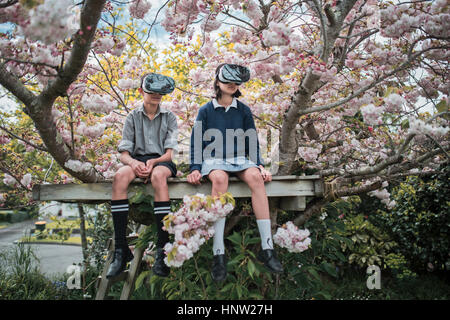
{"points": [[227, 119]]}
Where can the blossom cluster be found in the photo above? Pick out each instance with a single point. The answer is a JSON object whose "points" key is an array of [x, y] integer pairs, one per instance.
{"points": [[277, 34], [310, 154], [78, 166], [292, 238], [419, 127], [51, 21], [92, 132], [139, 8], [384, 196], [98, 103], [192, 225]]}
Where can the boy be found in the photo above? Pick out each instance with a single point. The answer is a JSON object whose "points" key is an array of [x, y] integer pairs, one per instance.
{"points": [[149, 138]]}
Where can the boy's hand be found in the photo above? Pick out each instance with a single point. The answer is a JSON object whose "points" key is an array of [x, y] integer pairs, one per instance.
{"points": [[140, 169], [149, 165], [194, 177]]}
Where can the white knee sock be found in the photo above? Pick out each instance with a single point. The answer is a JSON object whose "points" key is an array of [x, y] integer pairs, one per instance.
{"points": [[265, 233], [218, 244]]}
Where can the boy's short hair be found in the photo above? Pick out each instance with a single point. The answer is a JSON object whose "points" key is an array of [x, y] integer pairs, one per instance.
{"points": [[143, 78]]}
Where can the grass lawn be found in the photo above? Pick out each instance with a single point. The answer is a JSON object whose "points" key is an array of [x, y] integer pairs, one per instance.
{"points": [[53, 233], [4, 224], [71, 240]]}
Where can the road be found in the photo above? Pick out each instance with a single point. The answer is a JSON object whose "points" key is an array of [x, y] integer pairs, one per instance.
{"points": [[54, 259]]}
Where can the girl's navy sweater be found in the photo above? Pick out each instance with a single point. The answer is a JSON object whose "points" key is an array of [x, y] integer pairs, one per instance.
{"points": [[234, 126]]}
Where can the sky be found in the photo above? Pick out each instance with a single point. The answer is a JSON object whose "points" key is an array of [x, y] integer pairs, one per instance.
{"points": [[158, 36]]}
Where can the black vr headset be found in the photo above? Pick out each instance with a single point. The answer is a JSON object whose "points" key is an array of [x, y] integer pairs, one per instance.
{"points": [[233, 73], [157, 83]]}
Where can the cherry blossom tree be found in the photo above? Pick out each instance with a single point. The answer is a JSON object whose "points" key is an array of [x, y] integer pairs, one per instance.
{"points": [[356, 91]]}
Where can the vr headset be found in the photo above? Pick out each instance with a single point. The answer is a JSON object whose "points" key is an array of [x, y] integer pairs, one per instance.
{"points": [[233, 73], [157, 83]]}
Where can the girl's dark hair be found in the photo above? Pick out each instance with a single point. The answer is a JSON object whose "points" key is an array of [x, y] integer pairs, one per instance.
{"points": [[217, 90]]}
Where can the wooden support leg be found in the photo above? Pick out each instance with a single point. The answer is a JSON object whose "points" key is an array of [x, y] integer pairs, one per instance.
{"points": [[105, 284], [133, 272]]}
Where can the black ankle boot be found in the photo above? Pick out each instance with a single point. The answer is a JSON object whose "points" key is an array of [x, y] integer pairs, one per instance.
{"points": [[121, 257], [219, 268], [270, 260], [159, 267]]}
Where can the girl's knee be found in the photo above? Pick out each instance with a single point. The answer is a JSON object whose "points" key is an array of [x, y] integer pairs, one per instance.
{"points": [[254, 177], [218, 177]]}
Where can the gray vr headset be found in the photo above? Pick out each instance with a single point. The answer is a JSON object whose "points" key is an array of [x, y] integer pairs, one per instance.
{"points": [[233, 73], [158, 83]]}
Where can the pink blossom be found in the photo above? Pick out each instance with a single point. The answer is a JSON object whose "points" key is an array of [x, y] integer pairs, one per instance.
{"points": [[104, 44], [139, 8], [127, 84], [9, 180], [192, 226], [277, 34], [98, 103], [91, 132], [78, 166], [309, 154], [292, 238], [372, 114], [49, 21]]}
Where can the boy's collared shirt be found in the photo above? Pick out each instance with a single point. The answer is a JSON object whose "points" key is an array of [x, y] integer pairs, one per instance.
{"points": [[142, 136]]}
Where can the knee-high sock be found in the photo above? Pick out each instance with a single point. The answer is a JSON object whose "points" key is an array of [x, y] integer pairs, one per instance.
{"points": [[162, 208], [119, 212], [218, 244], [265, 233]]}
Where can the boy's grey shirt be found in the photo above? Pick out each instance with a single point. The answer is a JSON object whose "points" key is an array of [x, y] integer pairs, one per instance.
{"points": [[142, 136]]}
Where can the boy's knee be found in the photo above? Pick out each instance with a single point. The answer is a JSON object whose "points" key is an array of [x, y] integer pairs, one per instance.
{"points": [[120, 177], [158, 178], [123, 177]]}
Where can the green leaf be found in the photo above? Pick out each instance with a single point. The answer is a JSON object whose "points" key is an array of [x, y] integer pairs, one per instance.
{"points": [[329, 268], [140, 278], [235, 238], [251, 268], [441, 107], [227, 287], [314, 273]]}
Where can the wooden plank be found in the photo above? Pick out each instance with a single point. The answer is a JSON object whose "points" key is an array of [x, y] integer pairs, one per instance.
{"points": [[293, 203], [281, 186], [105, 284], [133, 272]]}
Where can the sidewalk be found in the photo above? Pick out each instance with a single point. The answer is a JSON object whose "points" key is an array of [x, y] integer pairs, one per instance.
{"points": [[54, 258]]}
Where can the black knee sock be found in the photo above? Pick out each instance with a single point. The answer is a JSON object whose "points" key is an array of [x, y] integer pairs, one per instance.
{"points": [[162, 208], [119, 211]]}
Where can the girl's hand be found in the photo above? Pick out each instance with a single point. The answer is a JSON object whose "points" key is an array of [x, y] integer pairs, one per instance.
{"points": [[266, 175], [194, 177]]}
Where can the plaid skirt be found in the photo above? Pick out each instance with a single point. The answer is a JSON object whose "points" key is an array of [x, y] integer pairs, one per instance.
{"points": [[229, 165]]}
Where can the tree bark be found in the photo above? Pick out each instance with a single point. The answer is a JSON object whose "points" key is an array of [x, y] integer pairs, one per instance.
{"points": [[331, 26], [39, 107]]}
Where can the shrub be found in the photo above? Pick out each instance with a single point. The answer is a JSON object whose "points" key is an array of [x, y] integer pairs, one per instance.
{"points": [[20, 278], [369, 245], [420, 222]]}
